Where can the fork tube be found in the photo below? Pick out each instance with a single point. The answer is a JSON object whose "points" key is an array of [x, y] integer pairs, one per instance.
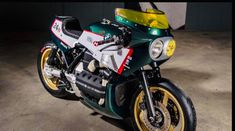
{"points": [[148, 97]]}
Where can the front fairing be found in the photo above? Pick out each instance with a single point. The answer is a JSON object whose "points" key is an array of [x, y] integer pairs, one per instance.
{"points": [[142, 37], [141, 55], [146, 27], [142, 34]]}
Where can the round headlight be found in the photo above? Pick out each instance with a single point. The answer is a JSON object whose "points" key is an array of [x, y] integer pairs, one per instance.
{"points": [[170, 48], [155, 49]]}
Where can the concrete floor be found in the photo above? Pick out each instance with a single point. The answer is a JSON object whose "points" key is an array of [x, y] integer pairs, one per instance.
{"points": [[202, 66]]}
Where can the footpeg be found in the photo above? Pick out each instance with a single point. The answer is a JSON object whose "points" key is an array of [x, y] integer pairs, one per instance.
{"points": [[72, 79], [104, 82]]}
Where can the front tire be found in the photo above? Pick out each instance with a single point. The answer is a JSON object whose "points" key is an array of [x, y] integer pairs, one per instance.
{"points": [[175, 107]]}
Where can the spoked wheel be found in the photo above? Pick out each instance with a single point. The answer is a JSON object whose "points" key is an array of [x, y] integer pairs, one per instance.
{"points": [[55, 86], [171, 112]]}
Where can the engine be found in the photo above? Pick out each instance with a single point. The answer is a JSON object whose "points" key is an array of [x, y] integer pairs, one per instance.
{"points": [[92, 78]]}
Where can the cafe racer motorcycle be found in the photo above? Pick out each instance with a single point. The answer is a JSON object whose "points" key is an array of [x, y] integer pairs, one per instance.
{"points": [[113, 68]]}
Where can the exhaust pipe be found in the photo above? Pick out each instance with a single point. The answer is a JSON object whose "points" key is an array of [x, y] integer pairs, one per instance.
{"points": [[51, 72]]}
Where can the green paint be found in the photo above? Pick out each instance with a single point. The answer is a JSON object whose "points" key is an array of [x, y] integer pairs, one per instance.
{"points": [[104, 29], [58, 43], [110, 108]]}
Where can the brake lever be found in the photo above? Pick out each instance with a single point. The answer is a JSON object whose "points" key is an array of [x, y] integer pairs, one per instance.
{"points": [[97, 43]]}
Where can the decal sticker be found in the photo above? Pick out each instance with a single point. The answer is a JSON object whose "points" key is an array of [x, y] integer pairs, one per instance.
{"points": [[95, 43], [123, 65], [89, 39], [56, 29]]}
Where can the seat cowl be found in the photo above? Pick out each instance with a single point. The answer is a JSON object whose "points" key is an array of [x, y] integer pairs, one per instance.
{"points": [[70, 26]]}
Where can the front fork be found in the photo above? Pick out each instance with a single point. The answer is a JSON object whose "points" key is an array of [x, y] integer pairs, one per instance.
{"points": [[147, 93]]}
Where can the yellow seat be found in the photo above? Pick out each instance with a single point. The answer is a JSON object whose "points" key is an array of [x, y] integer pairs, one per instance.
{"points": [[151, 18]]}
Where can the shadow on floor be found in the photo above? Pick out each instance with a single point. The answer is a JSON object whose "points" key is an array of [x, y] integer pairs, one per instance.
{"points": [[122, 124], [185, 75]]}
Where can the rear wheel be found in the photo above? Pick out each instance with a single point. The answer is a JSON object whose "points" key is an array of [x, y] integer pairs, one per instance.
{"points": [[171, 109], [51, 84]]}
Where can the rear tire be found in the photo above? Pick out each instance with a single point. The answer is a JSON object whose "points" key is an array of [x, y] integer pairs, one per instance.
{"points": [[47, 84]]}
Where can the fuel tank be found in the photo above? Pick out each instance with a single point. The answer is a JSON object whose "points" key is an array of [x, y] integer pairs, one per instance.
{"points": [[113, 55], [106, 29]]}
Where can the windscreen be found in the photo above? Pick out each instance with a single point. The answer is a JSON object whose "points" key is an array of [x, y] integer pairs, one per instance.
{"points": [[151, 18]]}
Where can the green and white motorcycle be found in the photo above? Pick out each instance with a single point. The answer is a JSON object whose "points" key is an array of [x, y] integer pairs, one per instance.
{"points": [[113, 68]]}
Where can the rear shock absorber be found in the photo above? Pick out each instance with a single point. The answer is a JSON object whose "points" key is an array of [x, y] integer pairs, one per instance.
{"points": [[52, 55]]}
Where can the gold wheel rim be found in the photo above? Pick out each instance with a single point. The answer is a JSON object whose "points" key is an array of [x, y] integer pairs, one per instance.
{"points": [[167, 96], [51, 82]]}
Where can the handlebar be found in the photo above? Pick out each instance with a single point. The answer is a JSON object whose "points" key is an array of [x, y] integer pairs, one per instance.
{"points": [[118, 40], [97, 43]]}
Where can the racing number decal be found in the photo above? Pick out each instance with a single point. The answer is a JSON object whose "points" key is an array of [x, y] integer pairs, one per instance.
{"points": [[56, 27]]}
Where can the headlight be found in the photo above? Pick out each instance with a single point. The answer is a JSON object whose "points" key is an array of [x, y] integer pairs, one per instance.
{"points": [[155, 49], [170, 49]]}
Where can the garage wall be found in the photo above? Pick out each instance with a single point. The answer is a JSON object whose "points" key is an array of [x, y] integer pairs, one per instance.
{"points": [[27, 16], [88, 12], [200, 16], [209, 16], [37, 16]]}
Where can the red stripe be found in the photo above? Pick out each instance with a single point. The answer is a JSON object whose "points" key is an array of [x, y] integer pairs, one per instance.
{"points": [[120, 70], [93, 33]]}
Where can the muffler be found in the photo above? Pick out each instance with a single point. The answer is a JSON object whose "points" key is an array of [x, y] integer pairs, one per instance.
{"points": [[51, 72]]}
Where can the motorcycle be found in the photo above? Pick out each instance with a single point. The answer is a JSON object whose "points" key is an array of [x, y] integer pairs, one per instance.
{"points": [[113, 68]]}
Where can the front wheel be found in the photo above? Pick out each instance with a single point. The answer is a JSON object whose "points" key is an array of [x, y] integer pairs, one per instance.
{"points": [[174, 110]]}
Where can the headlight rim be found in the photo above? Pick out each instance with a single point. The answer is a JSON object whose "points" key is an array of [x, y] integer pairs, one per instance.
{"points": [[151, 47]]}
